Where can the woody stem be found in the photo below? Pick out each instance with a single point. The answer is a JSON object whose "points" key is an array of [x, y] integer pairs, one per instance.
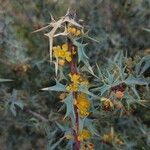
{"points": [[73, 69]]}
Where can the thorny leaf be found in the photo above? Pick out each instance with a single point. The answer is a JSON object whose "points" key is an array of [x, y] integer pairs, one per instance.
{"points": [[57, 87]]}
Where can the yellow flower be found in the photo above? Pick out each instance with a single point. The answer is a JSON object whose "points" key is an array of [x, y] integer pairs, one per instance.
{"points": [[84, 82], [73, 31], [61, 62], [84, 135], [109, 138], [74, 50], [62, 53], [83, 104], [83, 113], [72, 87], [74, 77], [56, 51], [68, 56], [106, 103], [78, 32], [65, 47]]}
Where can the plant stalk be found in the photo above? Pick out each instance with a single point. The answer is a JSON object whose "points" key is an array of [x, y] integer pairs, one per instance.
{"points": [[73, 69]]}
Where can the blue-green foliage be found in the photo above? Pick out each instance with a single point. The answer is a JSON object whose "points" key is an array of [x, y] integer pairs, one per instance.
{"points": [[117, 26]]}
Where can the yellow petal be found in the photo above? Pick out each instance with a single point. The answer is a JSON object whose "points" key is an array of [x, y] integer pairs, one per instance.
{"points": [[65, 47], [61, 62]]}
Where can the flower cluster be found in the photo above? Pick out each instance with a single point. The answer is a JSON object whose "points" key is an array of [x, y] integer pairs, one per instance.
{"points": [[62, 53], [83, 104], [73, 31], [106, 103], [76, 80], [84, 135], [72, 87], [109, 138]]}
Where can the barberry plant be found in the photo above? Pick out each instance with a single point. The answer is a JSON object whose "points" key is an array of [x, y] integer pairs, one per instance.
{"points": [[68, 58], [113, 89]]}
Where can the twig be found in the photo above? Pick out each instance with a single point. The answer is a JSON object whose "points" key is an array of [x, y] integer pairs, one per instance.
{"points": [[36, 115], [29, 111]]}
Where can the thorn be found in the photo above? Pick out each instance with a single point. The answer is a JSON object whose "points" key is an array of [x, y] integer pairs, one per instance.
{"points": [[52, 18]]}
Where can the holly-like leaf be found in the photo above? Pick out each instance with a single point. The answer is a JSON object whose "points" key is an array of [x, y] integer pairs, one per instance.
{"points": [[83, 89], [69, 105], [81, 123], [81, 54], [136, 81], [57, 87], [143, 65]]}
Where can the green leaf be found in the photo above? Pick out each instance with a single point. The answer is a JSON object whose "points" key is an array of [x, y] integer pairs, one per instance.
{"points": [[135, 92], [83, 89], [69, 104], [81, 54], [104, 88], [91, 127], [5, 80], [53, 147], [61, 74], [13, 105], [57, 87], [143, 65], [20, 104], [87, 36], [136, 81], [145, 29], [13, 109], [81, 123]]}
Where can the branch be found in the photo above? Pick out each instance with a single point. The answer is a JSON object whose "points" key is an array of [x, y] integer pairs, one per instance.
{"points": [[36, 115], [29, 111]]}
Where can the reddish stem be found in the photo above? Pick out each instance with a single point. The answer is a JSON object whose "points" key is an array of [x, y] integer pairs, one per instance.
{"points": [[73, 69]]}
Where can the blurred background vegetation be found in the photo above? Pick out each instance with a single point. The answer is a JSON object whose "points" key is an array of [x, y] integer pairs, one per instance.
{"points": [[116, 24]]}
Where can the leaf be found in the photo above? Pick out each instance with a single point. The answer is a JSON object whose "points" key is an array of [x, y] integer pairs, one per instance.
{"points": [[135, 92], [99, 72], [20, 104], [91, 127], [5, 80], [104, 88], [145, 29], [13, 105], [69, 104], [57, 87], [136, 81], [88, 37], [53, 146], [60, 126], [89, 69], [81, 123], [143, 65], [13, 109], [83, 89], [81, 54], [61, 74]]}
